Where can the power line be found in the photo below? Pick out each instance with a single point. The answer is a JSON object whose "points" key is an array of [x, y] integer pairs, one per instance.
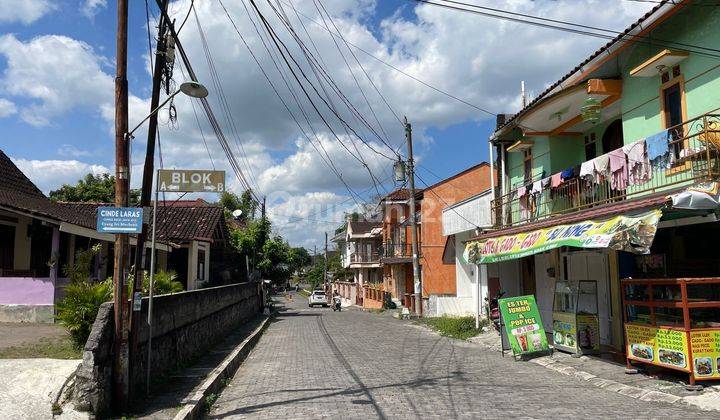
{"points": [[443, 201], [620, 35]]}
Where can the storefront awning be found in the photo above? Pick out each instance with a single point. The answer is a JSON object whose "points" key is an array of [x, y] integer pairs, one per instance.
{"points": [[633, 233]]}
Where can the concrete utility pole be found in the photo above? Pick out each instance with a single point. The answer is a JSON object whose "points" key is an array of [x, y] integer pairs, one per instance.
{"points": [[413, 222], [148, 172], [325, 267], [122, 181]]}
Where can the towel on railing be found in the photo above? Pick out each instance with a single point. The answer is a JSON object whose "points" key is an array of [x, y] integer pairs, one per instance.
{"points": [[557, 179], [587, 170], [567, 173], [638, 163], [618, 170], [536, 187], [657, 145], [521, 191], [602, 167]]}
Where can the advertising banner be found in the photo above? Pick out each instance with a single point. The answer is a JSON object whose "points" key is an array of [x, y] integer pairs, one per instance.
{"points": [[706, 353], [658, 346], [523, 325], [623, 233]]}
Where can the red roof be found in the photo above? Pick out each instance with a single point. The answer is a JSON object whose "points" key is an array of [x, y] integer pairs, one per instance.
{"points": [[402, 194], [600, 212]]}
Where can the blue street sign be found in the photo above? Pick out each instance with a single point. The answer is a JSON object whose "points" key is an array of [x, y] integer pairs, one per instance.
{"points": [[119, 219]]}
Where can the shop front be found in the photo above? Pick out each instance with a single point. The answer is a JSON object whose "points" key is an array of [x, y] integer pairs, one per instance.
{"points": [[572, 270]]}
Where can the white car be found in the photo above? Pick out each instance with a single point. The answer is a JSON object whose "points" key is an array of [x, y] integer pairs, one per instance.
{"points": [[317, 297]]}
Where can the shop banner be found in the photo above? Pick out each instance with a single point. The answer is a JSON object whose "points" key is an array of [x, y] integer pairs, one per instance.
{"points": [[658, 346], [523, 325], [623, 233], [706, 353]]}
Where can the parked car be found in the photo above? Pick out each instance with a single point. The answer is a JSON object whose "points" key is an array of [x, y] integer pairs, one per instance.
{"points": [[317, 297]]}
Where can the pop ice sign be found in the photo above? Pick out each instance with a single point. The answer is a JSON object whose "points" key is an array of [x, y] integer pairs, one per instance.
{"points": [[119, 219], [172, 180]]}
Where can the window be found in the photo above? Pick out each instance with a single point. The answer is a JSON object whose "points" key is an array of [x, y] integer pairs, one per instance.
{"points": [[201, 265], [527, 165], [590, 149], [672, 107], [7, 247]]}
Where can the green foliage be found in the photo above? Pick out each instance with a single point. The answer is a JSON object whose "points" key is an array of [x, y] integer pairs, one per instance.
{"points": [[298, 258], [252, 238], [93, 188], [77, 311], [244, 202], [165, 282], [82, 266], [46, 347], [274, 261], [462, 328]]}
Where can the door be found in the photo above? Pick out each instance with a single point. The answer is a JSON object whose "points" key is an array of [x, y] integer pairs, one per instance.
{"points": [[592, 265], [612, 139], [528, 275], [7, 247]]}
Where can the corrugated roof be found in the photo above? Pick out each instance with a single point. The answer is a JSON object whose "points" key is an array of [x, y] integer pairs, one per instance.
{"points": [[362, 227], [622, 207]]}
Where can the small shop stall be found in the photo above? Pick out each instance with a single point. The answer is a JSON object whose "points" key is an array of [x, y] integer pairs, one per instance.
{"points": [[575, 317], [675, 324]]}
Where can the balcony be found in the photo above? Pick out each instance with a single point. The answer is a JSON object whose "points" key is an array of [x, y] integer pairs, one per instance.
{"points": [[365, 257], [397, 252], [694, 157]]}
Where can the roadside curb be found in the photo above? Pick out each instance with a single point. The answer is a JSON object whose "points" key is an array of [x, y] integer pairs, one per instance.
{"points": [[193, 406]]}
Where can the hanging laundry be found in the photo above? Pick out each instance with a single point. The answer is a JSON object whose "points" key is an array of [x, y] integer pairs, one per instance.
{"points": [[637, 162], [618, 170], [536, 187], [545, 183], [567, 174], [557, 179], [602, 167], [587, 170], [521, 191], [657, 145]]}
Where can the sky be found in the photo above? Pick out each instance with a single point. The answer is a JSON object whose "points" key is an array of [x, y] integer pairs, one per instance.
{"points": [[57, 78]]}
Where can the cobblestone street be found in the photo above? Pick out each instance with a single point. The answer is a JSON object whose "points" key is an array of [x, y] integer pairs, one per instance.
{"points": [[313, 363]]}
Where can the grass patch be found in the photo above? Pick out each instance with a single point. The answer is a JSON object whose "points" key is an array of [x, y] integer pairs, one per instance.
{"points": [[51, 348], [461, 328]]}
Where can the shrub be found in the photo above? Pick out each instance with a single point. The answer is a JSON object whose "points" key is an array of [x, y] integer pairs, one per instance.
{"points": [[164, 281], [77, 311], [456, 327]]}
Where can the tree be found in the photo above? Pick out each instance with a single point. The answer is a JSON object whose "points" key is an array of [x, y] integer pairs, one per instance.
{"points": [[298, 258], [274, 262], [92, 188], [246, 203]]}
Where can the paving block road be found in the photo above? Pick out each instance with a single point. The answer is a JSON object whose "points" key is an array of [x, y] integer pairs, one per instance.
{"points": [[316, 363]]}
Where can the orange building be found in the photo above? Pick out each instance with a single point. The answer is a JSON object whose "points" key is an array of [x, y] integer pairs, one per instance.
{"points": [[438, 277]]}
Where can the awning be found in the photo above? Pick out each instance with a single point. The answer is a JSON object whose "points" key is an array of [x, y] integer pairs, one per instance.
{"points": [[632, 233]]}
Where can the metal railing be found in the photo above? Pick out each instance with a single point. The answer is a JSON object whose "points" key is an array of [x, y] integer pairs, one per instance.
{"points": [[399, 250], [694, 157], [365, 257]]}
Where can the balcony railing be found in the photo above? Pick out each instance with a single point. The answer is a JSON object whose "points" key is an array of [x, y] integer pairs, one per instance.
{"points": [[365, 257], [694, 158], [399, 250]]}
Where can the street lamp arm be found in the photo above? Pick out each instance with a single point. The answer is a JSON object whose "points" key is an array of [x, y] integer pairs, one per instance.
{"points": [[191, 88], [154, 111]]}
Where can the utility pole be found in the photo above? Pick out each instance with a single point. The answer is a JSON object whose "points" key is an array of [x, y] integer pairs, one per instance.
{"points": [[262, 211], [413, 222], [325, 266], [122, 178], [148, 172]]}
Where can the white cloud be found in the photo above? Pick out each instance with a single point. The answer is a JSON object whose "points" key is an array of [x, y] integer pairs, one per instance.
{"points": [[71, 151], [24, 11], [90, 8], [51, 174], [7, 108], [58, 73]]}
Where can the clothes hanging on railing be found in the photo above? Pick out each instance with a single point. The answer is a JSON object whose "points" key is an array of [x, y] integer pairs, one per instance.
{"points": [[556, 180], [536, 187], [618, 170], [657, 145], [602, 168], [587, 170], [638, 162], [568, 173]]}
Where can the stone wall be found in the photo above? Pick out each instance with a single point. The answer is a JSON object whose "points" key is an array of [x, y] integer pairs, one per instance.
{"points": [[184, 325]]}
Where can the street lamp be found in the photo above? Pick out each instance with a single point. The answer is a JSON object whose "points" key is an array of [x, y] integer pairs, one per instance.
{"points": [[192, 89]]}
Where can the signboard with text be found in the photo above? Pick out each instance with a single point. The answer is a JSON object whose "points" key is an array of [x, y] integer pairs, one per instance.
{"points": [[192, 180], [658, 346], [119, 219], [523, 326]]}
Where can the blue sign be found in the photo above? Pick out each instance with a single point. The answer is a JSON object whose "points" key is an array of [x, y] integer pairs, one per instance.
{"points": [[119, 219]]}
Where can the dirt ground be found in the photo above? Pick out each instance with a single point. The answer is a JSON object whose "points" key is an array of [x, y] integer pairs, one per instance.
{"points": [[14, 334]]}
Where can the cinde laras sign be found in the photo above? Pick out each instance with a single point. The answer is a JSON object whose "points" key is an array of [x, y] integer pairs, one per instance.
{"points": [[193, 180], [119, 219]]}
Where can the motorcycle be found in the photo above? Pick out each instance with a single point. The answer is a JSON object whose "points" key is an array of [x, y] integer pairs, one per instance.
{"points": [[493, 309], [337, 304]]}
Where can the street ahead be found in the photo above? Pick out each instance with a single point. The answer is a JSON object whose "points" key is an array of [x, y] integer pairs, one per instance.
{"points": [[314, 363]]}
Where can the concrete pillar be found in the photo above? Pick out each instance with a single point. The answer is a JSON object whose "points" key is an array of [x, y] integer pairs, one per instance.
{"points": [[55, 254]]}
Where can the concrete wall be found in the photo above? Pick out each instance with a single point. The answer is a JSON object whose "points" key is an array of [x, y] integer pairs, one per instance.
{"points": [[185, 325]]}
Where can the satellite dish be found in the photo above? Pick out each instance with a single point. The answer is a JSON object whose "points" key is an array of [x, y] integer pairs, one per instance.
{"points": [[237, 213]]}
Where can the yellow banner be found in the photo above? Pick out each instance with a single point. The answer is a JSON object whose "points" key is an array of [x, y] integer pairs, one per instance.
{"points": [[623, 233]]}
